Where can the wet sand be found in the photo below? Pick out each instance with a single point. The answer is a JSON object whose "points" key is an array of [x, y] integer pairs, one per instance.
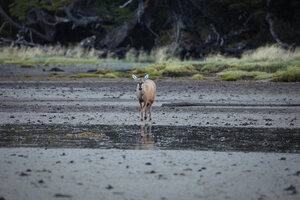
{"points": [[34, 173], [223, 104], [194, 152]]}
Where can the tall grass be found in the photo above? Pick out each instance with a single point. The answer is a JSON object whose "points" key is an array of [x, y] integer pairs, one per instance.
{"points": [[274, 63], [43, 54], [271, 53], [268, 53], [157, 55], [46, 55], [31, 52]]}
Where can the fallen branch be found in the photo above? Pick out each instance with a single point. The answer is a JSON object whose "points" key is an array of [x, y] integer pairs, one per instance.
{"points": [[276, 38], [83, 21], [24, 29], [125, 4]]}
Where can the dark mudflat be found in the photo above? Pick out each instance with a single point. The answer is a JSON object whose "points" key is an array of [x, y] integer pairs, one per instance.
{"points": [[152, 137]]}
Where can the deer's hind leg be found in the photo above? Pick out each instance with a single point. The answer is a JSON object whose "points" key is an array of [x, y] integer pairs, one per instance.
{"points": [[150, 109]]}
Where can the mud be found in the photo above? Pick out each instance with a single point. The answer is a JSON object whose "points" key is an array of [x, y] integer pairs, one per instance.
{"points": [[15, 70], [83, 139], [152, 137], [113, 102], [35, 173]]}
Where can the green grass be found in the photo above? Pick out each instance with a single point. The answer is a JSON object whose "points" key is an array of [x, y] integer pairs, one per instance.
{"points": [[28, 66], [239, 75], [113, 75], [198, 77], [61, 76], [173, 69], [52, 74], [85, 75], [264, 66], [291, 74], [270, 62], [108, 74], [52, 60], [152, 70]]}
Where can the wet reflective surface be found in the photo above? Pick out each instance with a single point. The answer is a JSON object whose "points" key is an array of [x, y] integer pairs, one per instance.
{"points": [[151, 137]]}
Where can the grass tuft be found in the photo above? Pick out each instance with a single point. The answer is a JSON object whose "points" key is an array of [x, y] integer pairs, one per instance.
{"points": [[27, 66], [85, 75], [113, 75], [243, 75], [291, 74], [198, 77]]}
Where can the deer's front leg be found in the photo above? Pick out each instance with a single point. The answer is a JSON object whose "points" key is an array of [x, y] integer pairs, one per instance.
{"points": [[146, 107], [142, 106], [143, 110]]}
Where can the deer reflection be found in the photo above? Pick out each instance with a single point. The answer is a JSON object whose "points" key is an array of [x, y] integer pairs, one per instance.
{"points": [[147, 141]]}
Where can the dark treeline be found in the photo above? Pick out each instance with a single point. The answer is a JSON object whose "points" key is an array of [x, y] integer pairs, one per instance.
{"points": [[192, 28]]}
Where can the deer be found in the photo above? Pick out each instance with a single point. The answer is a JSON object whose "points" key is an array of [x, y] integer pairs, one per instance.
{"points": [[145, 92]]}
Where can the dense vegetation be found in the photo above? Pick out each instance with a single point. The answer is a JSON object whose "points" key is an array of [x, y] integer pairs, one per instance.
{"points": [[193, 28], [173, 34]]}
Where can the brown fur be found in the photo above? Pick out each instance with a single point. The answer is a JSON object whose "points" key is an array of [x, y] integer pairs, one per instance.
{"points": [[146, 97]]}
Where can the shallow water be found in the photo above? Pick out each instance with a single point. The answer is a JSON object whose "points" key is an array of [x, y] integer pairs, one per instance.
{"points": [[151, 137]]}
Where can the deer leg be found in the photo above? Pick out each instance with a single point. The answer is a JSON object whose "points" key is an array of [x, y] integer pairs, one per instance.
{"points": [[141, 104], [147, 106], [143, 110], [150, 109]]}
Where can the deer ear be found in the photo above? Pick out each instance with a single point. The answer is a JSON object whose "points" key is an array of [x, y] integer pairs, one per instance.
{"points": [[146, 77], [134, 77]]}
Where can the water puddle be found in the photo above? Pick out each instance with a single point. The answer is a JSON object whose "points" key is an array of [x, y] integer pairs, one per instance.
{"points": [[151, 137]]}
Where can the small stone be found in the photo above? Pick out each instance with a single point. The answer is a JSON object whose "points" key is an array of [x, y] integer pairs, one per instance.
{"points": [[62, 196], [291, 189], [56, 69], [23, 174], [109, 187], [297, 173]]}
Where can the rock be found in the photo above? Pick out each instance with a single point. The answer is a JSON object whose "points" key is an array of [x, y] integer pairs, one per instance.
{"points": [[109, 187], [62, 195], [291, 189], [91, 71], [297, 173], [56, 69], [23, 174]]}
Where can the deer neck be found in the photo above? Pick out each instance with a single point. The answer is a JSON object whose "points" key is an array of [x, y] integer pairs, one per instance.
{"points": [[141, 95]]}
